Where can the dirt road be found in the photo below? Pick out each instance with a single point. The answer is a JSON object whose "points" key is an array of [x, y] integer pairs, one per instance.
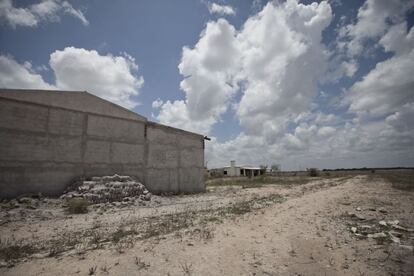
{"points": [[319, 228]]}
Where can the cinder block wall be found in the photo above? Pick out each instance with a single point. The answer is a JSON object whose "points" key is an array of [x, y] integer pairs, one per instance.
{"points": [[175, 160], [43, 148]]}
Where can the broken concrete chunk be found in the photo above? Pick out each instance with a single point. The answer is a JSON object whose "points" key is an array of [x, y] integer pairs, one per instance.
{"points": [[395, 233], [377, 235], [360, 217], [394, 238], [365, 226], [382, 210], [108, 189], [353, 229], [382, 223], [393, 222], [399, 227]]}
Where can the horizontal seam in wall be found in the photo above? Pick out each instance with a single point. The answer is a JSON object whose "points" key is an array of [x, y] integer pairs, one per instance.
{"points": [[53, 135], [72, 110]]}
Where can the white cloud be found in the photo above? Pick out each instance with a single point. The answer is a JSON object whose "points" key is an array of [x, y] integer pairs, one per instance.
{"points": [[275, 58], [385, 92], [15, 75], [157, 103], [32, 15], [325, 119], [67, 8], [256, 5], [373, 20], [177, 114], [275, 62], [381, 143], [282, 59], [221, 9], [338, 69], [208, 69], [385, 88], [397, 39], [402, 120], [326, 131], [110, 77]]}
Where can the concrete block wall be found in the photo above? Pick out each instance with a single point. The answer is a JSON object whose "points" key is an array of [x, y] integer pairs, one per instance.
{"points": [[44, 148], [175, 160]]}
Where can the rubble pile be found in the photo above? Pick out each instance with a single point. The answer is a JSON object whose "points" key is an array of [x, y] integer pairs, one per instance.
{"points": [[390, 231], [107, 189]]}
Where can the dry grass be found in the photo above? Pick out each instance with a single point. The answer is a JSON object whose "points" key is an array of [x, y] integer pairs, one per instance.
{"points": [[186, 268], [77, 206], [261, 180], [400, 179], [14, 252], [125, 235], [141, 264]]}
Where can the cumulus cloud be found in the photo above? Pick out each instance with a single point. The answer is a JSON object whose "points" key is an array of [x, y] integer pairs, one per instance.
{"points": [[221, 9], [110, 77], [390, 84], [373, 20], [16, 75], [382, 143], [208, 69], [275, 60], [339, 68], [157, 103], [326, 131], [32, 15], [177, 114], [281, 59], [402, 120]]}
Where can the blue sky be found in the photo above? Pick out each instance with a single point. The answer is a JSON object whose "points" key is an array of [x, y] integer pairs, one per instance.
{"points": [[300, 84]]}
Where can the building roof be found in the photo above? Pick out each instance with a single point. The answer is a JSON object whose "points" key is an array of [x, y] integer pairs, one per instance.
{"points": [[82, 101], [244, 167], [73, 100], [250, 168]]}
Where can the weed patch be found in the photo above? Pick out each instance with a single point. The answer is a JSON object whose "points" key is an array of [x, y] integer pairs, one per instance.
{"points": [[77, 206], [402, 180], [14, 252]]}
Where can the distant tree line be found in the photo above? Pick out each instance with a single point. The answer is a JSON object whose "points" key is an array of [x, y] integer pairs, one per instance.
{"points": [[369, 169]]}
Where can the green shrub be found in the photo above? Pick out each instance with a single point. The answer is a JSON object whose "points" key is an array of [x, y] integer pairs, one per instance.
{"points": [[78, 206], [313, 172]]}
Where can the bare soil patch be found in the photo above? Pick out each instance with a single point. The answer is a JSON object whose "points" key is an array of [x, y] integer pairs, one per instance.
{"points": [[316, 226]]}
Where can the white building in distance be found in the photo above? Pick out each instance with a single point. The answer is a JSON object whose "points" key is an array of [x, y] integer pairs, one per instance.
{"points": [[234, 170]]}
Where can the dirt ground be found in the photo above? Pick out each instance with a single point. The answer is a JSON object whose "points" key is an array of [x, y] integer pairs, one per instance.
{"points": [[352, 225]]}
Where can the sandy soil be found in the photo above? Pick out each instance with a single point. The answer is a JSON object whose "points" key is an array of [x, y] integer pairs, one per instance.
{"points": [[272, 230]]}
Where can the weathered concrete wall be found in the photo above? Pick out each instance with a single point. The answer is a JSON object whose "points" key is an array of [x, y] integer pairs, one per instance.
{"points": [[43, 148], [73, 100], [175, 160]]}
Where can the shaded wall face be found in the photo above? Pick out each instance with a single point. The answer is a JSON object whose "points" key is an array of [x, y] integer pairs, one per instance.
{"points": [[175, 161], [42, 149]]}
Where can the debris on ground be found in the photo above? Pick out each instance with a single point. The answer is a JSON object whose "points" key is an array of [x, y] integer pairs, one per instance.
{"points": [[107, 189], [377, 235], [383, 230], [358, 216]]}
